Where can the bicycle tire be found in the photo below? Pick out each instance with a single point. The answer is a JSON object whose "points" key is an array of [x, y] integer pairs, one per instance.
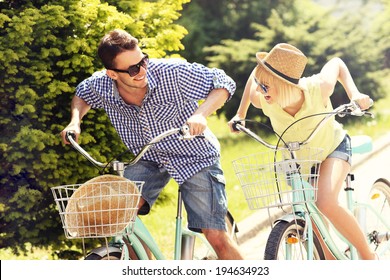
{"points": [[101, 253], [96, 257], [276, 243], [379, 200]]}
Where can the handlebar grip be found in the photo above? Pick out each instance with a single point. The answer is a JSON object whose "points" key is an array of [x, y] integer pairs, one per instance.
{"points": [[234, 125], [70, 134]]}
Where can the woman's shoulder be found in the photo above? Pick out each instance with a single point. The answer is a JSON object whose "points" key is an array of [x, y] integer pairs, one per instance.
{"points": [[313, 90], [310, 82]]}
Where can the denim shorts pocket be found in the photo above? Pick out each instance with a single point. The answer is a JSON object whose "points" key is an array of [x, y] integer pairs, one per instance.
{"points": [[220, 178], [219, 194]]}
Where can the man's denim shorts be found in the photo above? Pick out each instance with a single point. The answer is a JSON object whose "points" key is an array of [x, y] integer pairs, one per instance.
{"points": [[343, 151], [203, 194]]}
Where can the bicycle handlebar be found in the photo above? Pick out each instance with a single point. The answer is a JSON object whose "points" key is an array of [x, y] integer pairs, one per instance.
{"points": [[184, 132], [351, 108]]}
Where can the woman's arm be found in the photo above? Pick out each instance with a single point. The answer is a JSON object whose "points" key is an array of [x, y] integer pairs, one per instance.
{"points": [[335, 71], [249, 96]]}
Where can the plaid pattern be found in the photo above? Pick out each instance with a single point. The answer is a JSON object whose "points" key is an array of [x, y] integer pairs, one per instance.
{"points": [[175, 87]]}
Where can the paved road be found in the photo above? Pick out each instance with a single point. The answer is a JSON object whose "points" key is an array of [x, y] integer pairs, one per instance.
{"points": [[367, 168]]}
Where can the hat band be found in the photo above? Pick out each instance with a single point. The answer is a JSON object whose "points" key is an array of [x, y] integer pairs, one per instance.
{"points": [[292, 80]]}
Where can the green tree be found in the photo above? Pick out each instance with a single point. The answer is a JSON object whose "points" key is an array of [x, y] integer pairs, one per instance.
{"points": [[319, 33], [210, 22], [379, 30], [46, 49]]}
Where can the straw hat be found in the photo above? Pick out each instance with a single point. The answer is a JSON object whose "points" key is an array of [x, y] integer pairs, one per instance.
{"points": [[285, 62], [103, 206]]}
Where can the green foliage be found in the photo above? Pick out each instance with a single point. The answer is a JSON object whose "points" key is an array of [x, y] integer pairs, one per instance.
{"points": [[210, 22], [358, 38], [46, 49]]}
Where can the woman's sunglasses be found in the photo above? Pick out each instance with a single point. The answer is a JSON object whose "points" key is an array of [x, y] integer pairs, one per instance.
{"points": [[263, 87], [133, 70]]}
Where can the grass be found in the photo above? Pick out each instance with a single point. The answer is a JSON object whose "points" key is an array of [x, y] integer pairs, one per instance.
{"points": [[161, 221]]}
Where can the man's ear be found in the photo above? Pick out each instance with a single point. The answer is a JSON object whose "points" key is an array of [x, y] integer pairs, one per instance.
{"points": [[112, 74]]}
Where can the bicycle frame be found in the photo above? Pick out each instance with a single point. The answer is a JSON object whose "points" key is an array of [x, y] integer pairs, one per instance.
{"points": [[310, 213], [184, 240], [140, 236]]}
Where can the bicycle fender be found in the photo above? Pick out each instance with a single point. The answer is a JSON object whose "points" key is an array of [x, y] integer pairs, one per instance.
{"points": [[289, 218], [102, 251]]}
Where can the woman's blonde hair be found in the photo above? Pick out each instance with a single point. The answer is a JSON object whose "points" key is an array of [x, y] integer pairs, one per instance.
{"points": [[286, 93]]}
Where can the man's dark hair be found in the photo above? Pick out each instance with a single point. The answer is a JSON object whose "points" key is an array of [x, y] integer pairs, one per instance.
{"points": [[112, 44]]}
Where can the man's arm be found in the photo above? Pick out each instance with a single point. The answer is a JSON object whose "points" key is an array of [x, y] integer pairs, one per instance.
{"points": [[215, 100], [78, 110]]}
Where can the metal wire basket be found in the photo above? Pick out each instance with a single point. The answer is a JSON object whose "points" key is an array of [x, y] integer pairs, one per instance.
{"points": [[277, 178], [100, 207]]}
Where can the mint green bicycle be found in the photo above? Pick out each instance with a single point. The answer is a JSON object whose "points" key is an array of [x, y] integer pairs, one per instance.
{"points": [[107, 208], [280, 178]]}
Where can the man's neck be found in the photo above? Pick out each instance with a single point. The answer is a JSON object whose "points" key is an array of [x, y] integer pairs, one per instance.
{"points": [[132, 95]]}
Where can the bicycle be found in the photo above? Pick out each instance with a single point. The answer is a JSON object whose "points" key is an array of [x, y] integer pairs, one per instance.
{"points": [[278, 178], [105, 217]]}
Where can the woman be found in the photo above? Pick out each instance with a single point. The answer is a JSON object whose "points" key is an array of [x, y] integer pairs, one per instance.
{"points": [[276, 86]]}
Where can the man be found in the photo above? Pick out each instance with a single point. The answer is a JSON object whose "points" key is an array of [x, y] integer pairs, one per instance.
{"points": [[144, 98]]}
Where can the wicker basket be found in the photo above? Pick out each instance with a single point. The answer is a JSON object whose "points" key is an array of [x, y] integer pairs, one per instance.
{"points": [[101, 207], [276, 178]]}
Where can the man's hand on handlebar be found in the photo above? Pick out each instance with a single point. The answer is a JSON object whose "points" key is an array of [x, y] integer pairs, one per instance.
{"points": [[196, 124], [70, 128]]}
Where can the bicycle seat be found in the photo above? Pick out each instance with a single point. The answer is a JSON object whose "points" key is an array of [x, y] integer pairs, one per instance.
{"points": [[361, 144]]}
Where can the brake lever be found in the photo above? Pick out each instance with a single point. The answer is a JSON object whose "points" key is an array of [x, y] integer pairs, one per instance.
{"points": [[353, 109], [357, 111], [185, 133]]}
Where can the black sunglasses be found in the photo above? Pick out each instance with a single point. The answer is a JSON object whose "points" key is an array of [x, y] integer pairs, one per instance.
{"points": [[133, 70], [263, 87]]}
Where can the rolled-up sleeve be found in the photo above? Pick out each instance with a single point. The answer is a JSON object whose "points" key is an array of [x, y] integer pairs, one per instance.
{"points": [[90, 90], [197, 81], [221, 80]]}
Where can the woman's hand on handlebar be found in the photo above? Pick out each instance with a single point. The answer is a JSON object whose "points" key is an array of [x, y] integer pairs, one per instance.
{"points": [[363, 101], [231, 123]]}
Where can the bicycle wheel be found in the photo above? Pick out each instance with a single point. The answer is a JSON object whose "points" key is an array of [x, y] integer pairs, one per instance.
{"points": [[377, 224], [286, 242]]}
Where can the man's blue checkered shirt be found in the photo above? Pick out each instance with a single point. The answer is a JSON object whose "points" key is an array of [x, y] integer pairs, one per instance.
{"points": [[174, 89]]}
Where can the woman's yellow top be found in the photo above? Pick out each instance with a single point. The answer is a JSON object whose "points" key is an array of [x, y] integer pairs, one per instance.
{"points": [[327, 138]]}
